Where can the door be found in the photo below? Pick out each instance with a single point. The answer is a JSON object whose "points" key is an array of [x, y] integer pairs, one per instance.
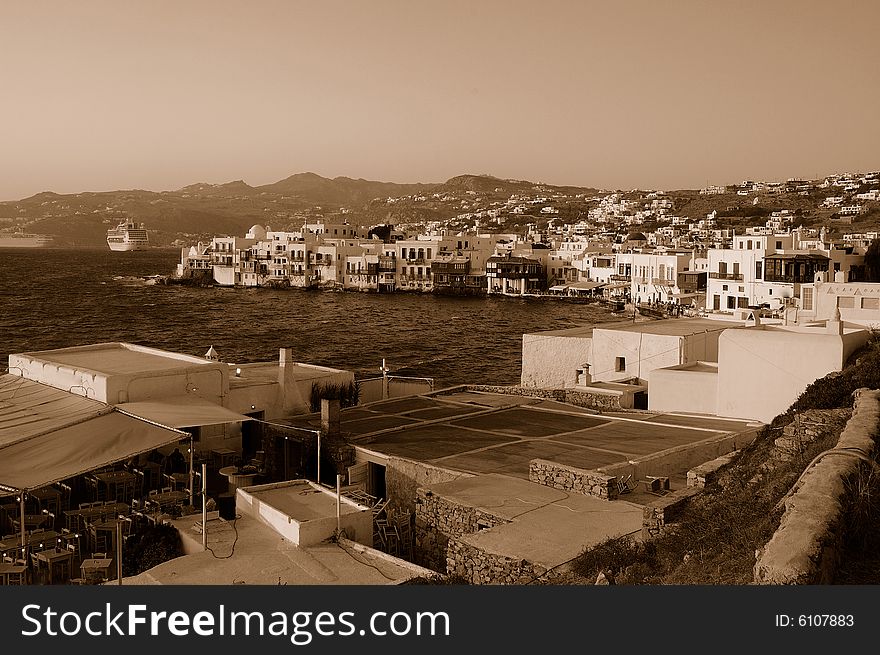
{"points": [[716, 303]]}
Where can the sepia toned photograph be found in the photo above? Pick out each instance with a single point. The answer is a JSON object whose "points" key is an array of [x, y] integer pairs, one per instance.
{"points": [[386, 293]]}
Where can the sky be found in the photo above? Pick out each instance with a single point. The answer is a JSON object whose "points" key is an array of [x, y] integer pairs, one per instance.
{"points": [[99, 95]]}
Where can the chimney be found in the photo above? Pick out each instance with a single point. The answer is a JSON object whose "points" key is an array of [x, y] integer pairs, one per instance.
{"points": [[330, 410], [834, 325], [285, 356]]}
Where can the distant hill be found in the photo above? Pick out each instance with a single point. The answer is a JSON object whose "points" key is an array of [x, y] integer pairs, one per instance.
{"points": [[202, 210], [340, 191]]}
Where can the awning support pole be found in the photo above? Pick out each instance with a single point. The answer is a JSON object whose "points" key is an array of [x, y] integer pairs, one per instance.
{"points": [[23, 527], [191, 454], [204, 507]]}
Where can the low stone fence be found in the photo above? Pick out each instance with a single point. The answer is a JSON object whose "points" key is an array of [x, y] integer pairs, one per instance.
{"points": [[438, 520], [806, 546], [665, 510], [604, 401], [479, 566], [570, 478], [707, 473]]}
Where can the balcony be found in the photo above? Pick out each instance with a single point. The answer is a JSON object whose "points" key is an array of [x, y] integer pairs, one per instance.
{"points": [[620, 278], [737, 277]]}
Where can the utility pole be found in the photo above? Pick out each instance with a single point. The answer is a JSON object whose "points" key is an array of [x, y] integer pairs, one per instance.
{"points": [[384, 369]]}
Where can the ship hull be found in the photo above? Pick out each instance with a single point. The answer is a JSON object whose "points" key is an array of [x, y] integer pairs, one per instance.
{"points": [[126, 247], [24, 243]]}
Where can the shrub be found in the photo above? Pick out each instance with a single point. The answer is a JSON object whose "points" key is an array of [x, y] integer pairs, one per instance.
{"points": [[347, 394]]}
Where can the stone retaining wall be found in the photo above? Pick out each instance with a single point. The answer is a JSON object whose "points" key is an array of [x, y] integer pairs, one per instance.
{"points": [[806, 546], [478, 566], [570, 478], [809, 426], [438, 520]]}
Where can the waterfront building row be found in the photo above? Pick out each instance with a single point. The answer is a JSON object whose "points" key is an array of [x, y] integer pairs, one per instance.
{"points": [[759, 270]]}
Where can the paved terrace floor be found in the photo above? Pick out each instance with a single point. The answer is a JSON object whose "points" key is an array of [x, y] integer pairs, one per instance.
{"points": [[249, 552], [479, 433]]}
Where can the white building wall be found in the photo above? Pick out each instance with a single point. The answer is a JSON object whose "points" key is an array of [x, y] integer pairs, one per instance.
{"points": [[762, 371], [688, 388], [641, 353], [551, 361]]}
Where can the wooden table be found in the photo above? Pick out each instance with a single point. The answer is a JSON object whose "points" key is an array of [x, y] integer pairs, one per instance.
{"points": [[49, 497], [12, 573], [77, 518], [31, 521], [55, 559], [93, 569], [168, 498], [47, 538], [223, 457], [119, 484]]}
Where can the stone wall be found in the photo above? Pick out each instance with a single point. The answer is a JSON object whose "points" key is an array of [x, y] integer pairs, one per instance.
{"points": [[609, 402], [570, 478], [806, 546], [438, 520], [659, 513], [809, 426], [707, 473], [478, 566], [403, 477]]}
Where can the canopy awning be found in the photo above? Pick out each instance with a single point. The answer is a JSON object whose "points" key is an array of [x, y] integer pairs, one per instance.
{"points": [[28, 408], [75, 449], [616, 285], [691, 294], [182, 412], [585, 285], [559, 287]]}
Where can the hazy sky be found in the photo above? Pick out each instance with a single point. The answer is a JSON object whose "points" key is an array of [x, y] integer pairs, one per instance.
{"points": [[614, 94]]}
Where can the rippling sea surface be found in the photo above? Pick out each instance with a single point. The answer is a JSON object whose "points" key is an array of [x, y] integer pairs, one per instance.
{"points": [[58, 298]]}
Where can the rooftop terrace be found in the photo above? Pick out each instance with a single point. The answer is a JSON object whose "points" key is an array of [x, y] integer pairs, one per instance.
{"points": [[477, 432]]}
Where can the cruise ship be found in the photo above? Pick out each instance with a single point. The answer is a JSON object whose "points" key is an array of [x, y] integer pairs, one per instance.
{"points": [[127, 236], [24, 240]]}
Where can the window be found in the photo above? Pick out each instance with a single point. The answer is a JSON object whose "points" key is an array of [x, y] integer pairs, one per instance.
{"points": [[731, 302], [870, 303], [779, 245], [807, 295], [620, 364], [846, 303], [770, 292], [749, 244], [743, 302], [758, 270]]}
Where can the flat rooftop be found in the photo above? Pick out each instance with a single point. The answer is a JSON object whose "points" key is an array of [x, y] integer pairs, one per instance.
{"points": [[477, 432], [679, 327], [302, 502], [116, 359], [258, 373], [250, 552], [547, 526]]}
